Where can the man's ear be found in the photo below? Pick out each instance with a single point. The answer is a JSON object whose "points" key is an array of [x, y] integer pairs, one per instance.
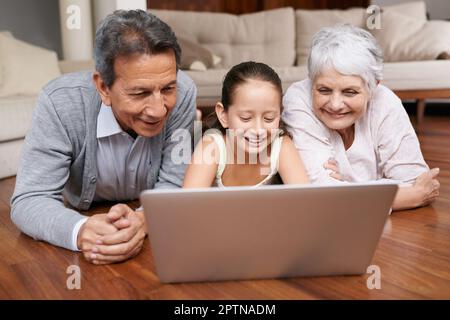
{"points": [[222, 114], [102, 88]]}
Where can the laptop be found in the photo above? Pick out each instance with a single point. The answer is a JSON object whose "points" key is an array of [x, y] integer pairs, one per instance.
{"points": [[267, 232]]}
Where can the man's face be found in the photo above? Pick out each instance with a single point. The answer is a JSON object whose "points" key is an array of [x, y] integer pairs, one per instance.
{"points": [[143, 93]]}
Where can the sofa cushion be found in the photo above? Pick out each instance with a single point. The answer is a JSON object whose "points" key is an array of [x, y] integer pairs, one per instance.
{"points": [[209, 83], [418, 75], [25, 68], [267, 36], [6, 33], [15, 116], [403, 38], [10, 163], [308, 22], [415, 10], [194, 56]]}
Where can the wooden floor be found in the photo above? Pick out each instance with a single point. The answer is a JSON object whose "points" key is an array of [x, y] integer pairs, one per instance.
{"points": [[413, 255]]}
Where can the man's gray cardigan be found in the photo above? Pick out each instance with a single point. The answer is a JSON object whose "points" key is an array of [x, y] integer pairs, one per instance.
{"points": [[59, 156]]}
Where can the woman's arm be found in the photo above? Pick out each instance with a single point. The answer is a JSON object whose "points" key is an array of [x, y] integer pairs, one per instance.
{"points": [[203, 167], [424, 191], [290, 166], [400, 156]]}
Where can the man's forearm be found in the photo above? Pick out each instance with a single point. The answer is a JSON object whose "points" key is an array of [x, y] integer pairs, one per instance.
{"points": [[46, 219]]}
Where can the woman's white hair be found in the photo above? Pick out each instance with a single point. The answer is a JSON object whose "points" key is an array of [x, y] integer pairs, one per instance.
{"points": [[349, 50]]}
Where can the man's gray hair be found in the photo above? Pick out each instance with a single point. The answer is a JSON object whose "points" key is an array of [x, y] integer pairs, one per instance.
{"points": [[349, 50], [125, 33]]}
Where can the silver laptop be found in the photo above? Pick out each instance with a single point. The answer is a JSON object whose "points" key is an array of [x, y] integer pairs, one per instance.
{"points": [[266, 232]]}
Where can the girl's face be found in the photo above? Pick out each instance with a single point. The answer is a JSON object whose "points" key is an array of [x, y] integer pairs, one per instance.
{"points": [[253, 115], [339, 100]]}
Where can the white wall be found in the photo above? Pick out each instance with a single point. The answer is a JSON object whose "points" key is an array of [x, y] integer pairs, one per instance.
{"points": [[102, 8], [131, 4], [78, 44], [76, 41], [36, 22], [438, 9]]}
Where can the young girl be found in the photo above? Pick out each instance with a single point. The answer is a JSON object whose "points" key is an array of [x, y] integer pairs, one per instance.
{"points": [[248, 146]]}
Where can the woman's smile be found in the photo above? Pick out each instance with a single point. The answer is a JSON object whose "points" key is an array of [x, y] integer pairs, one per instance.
{"points": [[335, 115]]}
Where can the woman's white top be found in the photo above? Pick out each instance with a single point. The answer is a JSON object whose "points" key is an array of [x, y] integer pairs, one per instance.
{"points": [[385, 144], [274, 158]]}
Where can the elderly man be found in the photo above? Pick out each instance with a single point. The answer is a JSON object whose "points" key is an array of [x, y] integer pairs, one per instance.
{"points": [[106, 136]]}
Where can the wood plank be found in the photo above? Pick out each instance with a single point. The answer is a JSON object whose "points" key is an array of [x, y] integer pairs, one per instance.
{"points": [[423, 94]]}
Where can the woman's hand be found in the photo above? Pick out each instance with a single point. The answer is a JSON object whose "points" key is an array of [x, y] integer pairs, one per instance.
{"points": [[424, 191], [333, 165], [427, 187]]}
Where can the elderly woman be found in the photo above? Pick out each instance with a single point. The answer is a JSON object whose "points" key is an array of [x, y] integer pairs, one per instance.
{"points": [[348, 127]]}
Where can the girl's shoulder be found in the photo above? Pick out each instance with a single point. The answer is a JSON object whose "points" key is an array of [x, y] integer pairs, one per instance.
{"points": [[211, 147], [213, 136], [286, 143]]}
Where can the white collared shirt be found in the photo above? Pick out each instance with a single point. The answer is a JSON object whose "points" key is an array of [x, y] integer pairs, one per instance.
{"points": [[122, 161], [122, 164]]}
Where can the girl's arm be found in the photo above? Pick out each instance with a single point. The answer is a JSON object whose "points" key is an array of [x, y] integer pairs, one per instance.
{"points": [[290, 166], [201, 172]]}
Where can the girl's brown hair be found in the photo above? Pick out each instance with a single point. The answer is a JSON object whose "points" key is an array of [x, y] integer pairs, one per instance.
{"points": [[238, 75]]}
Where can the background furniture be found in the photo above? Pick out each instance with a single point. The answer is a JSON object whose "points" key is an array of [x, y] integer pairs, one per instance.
{"points": [[15, 119], [281, 38]]}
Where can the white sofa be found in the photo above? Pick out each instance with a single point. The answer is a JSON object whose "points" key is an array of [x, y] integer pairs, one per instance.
{"points": [[15, 119], [24, 69], [281, 38]]}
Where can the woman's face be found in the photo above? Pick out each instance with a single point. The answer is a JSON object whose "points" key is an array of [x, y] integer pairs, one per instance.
{"points": [[339, 100]]}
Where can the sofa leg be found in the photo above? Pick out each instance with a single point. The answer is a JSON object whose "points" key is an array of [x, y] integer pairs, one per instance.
{"points": [[420, 110]]}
